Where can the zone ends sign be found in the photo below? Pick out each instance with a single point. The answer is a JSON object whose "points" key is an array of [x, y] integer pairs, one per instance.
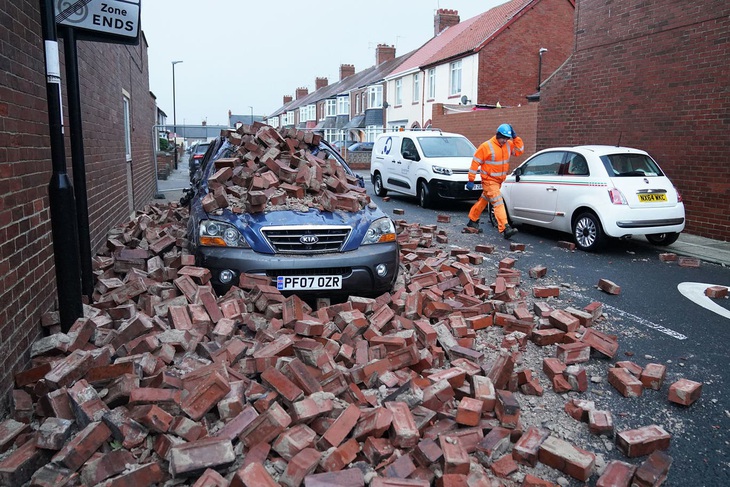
{"points": [[114, 21]]}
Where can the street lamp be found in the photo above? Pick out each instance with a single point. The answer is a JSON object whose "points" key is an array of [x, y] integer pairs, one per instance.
{"points": [[539, 68], [251, 114], [174, 112]]}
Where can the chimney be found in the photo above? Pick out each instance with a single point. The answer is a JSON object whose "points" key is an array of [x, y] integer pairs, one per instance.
{"points": [[287, 99], [384, 53], [302, 92], [320, 83], [444, 18], [346, 70]]}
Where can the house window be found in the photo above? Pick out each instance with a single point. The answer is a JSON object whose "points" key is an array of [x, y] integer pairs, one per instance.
{"points": [[432, 83], [343, 105], [416, 87], [357, 104], [399, 92], [128, 128], [376, 97], [455, 78], [362, 96], [331, 107]]}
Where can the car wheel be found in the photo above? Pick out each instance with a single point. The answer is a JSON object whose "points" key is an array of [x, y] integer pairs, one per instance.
{"points": [[662, 238], [424, 195], [378, 185], [587, 232]]}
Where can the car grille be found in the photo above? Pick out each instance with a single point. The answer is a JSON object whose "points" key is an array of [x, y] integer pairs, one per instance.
{"points": [[306, 239], [324, 271]]}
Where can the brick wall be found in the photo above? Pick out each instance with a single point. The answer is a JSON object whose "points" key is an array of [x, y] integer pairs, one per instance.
{"points": [[480, 125], [508, 66], [655, 76], [27, 279]]}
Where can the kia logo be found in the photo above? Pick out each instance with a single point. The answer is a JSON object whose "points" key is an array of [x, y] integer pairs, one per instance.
{"points": [[309, 239]]}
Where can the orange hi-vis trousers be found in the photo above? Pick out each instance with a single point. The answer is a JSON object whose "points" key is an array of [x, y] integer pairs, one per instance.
{"points": [[490, 194]]}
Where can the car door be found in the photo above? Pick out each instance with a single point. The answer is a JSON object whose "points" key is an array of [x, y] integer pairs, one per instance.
{"points": [[533, 198]]}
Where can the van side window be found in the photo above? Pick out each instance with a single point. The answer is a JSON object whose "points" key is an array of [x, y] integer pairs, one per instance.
{"points": [[408, 146]]}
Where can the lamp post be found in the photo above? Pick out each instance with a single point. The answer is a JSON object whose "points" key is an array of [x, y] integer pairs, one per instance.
{"points": [[251, 114], [174, 112], [539, 67]]}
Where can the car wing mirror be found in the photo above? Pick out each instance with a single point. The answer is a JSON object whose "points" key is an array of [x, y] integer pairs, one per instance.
{"points": [[410, 155], [518, 173]]}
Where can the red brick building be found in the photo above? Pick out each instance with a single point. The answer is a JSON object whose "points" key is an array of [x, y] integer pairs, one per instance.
{"points": [[654, 76], [117, 183]]}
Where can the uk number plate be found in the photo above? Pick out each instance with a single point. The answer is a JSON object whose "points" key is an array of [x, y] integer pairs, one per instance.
{"points": [[477, 187], [651, 198], [308, 283]]}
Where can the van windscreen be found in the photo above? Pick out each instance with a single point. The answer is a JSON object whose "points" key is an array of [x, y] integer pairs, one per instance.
{"points": [[446, 147]]}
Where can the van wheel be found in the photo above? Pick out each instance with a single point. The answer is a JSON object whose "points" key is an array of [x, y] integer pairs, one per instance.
{"points": [[424, 195], [378, 185], [588, 233]]}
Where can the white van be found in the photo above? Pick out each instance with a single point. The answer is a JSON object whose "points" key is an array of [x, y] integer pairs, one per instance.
{"points": [[429, 164]]}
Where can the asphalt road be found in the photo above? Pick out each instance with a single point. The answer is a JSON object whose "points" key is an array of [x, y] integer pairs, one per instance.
{"points": [[653, 320]]}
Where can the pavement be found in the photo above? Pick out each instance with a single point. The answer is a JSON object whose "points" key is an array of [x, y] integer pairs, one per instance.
{"points": [[706, 249]]}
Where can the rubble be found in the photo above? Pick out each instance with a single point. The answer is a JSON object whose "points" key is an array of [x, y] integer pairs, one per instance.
{"points": [[164, 382]]}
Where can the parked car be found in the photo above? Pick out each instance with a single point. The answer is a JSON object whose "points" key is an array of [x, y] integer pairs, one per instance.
{"points": [[595, 192], [303, 249], [341, 144], [197, 152], [361, 147], [428, 164]]}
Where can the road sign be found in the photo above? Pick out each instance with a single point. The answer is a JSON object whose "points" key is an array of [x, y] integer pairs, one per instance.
{"points": [[101, 20]]}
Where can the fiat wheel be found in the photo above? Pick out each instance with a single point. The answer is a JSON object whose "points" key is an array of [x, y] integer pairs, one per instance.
{"points": [[587, 232]]}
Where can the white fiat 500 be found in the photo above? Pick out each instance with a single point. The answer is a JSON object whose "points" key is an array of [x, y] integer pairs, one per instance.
{"points": [[595, 192]]}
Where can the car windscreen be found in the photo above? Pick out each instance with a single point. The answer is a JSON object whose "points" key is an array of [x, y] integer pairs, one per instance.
{"points": [[446, 147], [201, 148], [630, 165]]}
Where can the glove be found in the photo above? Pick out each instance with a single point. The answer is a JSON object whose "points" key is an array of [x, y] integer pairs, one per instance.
{"points": [[514, 134], [470, 185]]}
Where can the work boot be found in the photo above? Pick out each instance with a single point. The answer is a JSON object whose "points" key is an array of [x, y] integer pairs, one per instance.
{"points": [[475, 225], [509, 232]]}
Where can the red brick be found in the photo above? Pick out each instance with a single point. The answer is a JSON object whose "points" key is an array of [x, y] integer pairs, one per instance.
{"points": [[483, 390], [532, 481], [507, 409], [573, 353], [688, 262], [527, 448], [546, 291], [633, 368], [385, 482], [427, 453], [11, 429], [456, 459], [17, 467], [609, 287], [653, 472], [576, 377], [578, 409], [685, 392], [341, 456], [504, 466], [351, 477], [341, 427], [377, 449], [302, 464], [552, 367], [600, 422], [69, 369], [282, 385], [500, 369], [668, 257], [548, 336], [374, 422], [233, 428], [564, 321], [624, 382], [616, 474], [600, 342], [77, 451], [642, 441], [253, 475], [205, 396], [147, 474], [266, 426], [194, 458], [653, 376], [716, 292], [469, 411], [404, 431], [293, 440], [495, 443], [401, 468], [211, 478], [567, 458]]}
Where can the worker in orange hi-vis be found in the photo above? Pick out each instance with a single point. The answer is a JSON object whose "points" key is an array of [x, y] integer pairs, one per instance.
{"points": [[491, 161]]}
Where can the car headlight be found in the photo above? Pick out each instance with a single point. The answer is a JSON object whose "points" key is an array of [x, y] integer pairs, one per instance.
{"points": [[218, 234], [380, 231], [441, 170]]}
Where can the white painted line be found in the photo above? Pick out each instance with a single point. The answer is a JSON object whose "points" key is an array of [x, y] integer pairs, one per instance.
{"points": [[695, 292], [638, 319]]}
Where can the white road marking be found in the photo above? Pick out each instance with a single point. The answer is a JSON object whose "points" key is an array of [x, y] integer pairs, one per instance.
{"points": [[638, 319], [695, 292]]}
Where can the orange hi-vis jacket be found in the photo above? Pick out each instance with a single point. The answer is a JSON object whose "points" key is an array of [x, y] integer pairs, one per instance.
{"points": [[492, 161]]}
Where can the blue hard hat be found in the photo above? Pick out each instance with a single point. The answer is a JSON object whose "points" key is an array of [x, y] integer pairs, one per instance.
{"points": [[505, 130]]}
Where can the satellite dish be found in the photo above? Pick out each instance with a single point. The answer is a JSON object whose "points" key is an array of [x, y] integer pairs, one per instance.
{"points": [[464, 100]]}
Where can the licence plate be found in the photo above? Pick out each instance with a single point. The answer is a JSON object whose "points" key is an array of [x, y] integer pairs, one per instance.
{"points": [[651, 198], [308, 283], [477, 187]]}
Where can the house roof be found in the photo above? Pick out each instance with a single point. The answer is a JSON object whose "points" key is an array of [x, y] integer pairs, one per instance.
{"points": [[465, 37]]}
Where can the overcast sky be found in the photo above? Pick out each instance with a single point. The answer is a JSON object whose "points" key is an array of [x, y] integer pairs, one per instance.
{"points": [[239, 54]]}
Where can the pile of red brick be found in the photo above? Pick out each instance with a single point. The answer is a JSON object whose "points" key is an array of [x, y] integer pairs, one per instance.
{"points": [[163, 381], [269, 169]]}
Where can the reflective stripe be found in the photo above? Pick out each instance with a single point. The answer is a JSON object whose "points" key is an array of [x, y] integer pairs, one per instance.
{"points": [[484, 196], [495, 199], [491, 149], [497, 174], [479, 161], [497, 204], [473, 171]]}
